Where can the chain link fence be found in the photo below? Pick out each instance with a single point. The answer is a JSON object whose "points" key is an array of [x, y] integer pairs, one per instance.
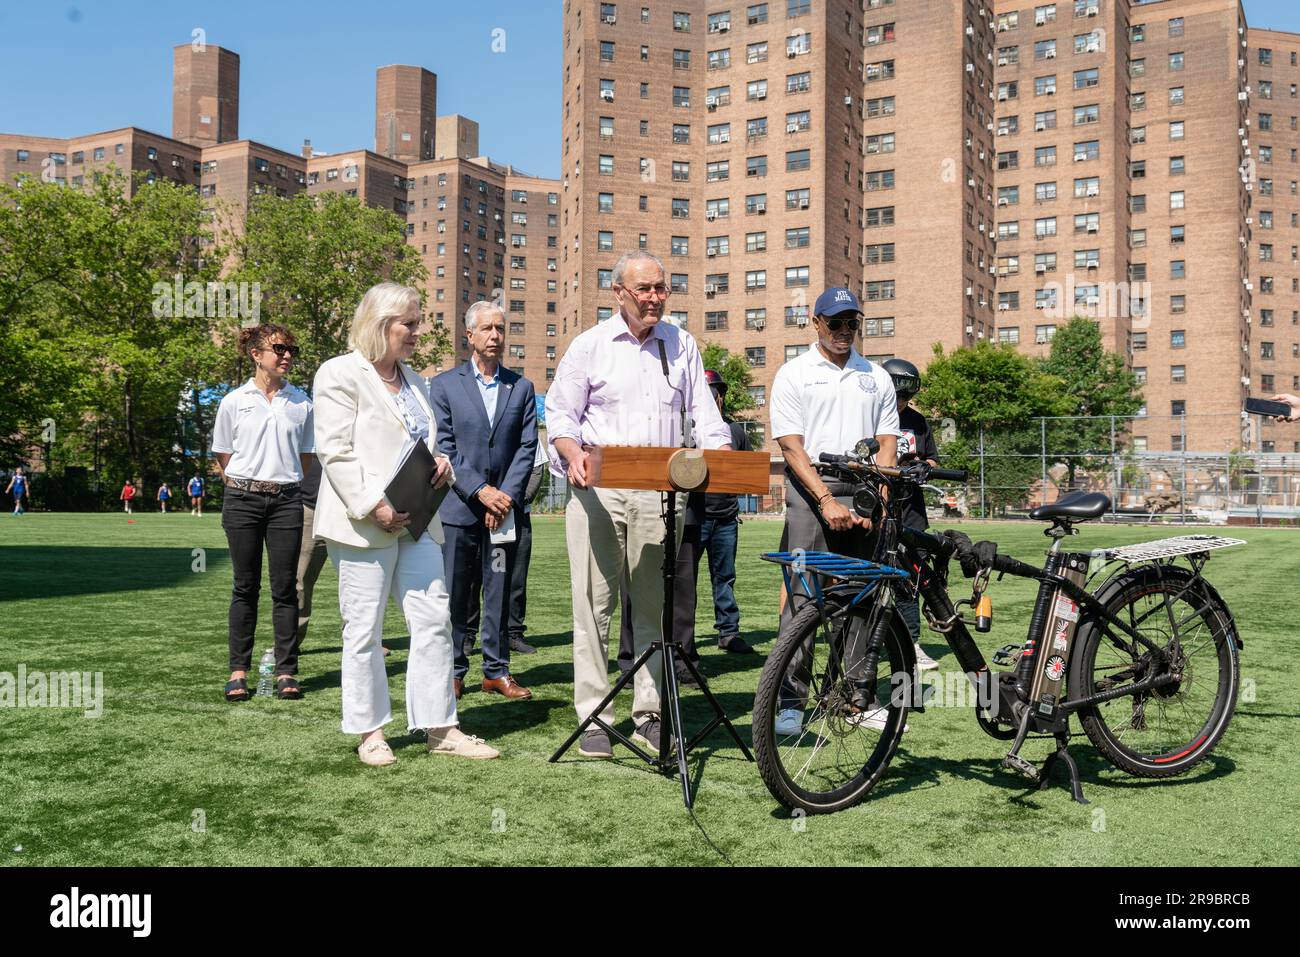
{"points": [[1155, 469]]}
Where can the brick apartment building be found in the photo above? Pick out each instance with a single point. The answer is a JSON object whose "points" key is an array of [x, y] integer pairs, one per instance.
{"points": [[768, 150], [972, 170], [476, 223]]}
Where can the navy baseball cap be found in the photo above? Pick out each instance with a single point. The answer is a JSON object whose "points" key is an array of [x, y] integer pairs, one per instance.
{"points": [[834, 301]]}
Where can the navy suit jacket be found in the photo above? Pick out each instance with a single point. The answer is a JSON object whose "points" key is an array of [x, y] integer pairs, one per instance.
{"points": [[499, 453]]}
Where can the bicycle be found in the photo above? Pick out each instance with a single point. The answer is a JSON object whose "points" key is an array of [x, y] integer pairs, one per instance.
{"points": [[1143, 649]]}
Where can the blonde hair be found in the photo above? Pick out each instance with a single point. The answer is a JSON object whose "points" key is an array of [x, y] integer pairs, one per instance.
{"points": [[381, 304]]}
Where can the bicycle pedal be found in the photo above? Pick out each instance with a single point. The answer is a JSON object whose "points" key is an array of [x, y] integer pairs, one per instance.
{"points": [[1007, 655], [1017, 763]]}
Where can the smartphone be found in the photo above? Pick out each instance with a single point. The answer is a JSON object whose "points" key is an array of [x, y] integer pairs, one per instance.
{"points": [[1267, 407]]}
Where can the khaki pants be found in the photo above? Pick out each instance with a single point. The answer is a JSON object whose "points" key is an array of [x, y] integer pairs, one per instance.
{"points": [[607, 529]]}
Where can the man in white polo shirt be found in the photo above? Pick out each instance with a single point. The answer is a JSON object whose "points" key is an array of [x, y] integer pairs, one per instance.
{"points": [[827, 400]]}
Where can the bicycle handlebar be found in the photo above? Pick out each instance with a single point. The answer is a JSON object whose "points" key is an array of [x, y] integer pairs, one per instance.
{"points": [[889, 471]]}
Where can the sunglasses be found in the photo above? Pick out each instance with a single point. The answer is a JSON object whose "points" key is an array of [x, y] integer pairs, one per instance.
{"points": [[835, 325], [906, 386], [284, 350]]}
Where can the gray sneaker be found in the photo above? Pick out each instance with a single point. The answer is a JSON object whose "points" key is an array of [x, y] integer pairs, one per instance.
{"points": [[648, 734], [595, 744]]}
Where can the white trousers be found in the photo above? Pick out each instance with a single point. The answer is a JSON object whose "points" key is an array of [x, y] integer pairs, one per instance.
{"points": [[605, 530], [412, 573]]}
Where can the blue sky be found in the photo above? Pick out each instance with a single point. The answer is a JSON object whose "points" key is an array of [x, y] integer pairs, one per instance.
{"points": [[71, 68], [68, 68]]}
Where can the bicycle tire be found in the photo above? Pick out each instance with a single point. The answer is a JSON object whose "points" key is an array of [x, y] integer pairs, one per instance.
{"points": [[798, 787], [1179, 738]]}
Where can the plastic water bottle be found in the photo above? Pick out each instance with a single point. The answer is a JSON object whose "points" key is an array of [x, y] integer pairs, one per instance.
{"points": [[266, 672]]}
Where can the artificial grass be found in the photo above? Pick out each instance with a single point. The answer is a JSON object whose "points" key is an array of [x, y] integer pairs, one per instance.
{"points": [[172, 775]]}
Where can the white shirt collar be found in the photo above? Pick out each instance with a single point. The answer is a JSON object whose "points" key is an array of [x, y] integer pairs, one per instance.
{"points": [[286, 390]]}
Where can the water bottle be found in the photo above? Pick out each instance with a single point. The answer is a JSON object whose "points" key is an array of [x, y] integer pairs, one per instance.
{"points": [[266, 673]]}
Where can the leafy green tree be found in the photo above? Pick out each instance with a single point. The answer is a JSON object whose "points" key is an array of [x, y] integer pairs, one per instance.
{"points": [[999, 391], [1096, 383], [736, 372], [313, 258]]}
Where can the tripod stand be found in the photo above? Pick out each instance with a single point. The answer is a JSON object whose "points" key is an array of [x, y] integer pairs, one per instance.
{"points": [[672, 652]]}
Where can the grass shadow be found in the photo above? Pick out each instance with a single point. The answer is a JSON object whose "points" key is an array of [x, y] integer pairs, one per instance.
{"points": [[64, 571]]}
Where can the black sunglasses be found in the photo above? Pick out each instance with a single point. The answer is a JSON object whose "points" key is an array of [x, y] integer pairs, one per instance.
{"points": [[835, 325], [284, 350]]}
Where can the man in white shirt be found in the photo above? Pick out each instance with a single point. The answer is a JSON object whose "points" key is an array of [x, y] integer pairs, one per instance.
{"points": [[827, 400], [626, 381]]}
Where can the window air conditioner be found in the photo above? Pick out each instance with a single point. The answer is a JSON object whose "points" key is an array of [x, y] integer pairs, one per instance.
{"points": [[607, 95], [970, 290], [1040, 268], [1093, 227], [1003, 131], [759, 324], [1049, 55], [611, 18], [792, 127], [1002, 61], [1004, 307], [1002, 201], [710, 214], [710, 253], [970, 330], [970, 67], [710, 288], [761, 95], [803, 204], [970, 30], [801, 320], [790, 54]]}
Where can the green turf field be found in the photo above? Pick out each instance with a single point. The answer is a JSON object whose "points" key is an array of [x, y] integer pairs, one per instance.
{"points": [[170, 774]]}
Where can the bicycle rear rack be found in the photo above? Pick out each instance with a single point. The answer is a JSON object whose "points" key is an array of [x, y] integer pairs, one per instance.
{"points": [[1166, 548], [807, 568]]}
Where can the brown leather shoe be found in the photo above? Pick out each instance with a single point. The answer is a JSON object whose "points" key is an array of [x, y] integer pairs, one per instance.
{"points": [[459, 685], [508, 686]]}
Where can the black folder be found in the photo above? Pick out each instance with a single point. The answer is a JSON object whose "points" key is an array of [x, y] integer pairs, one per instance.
{"points": [[410, 491]]}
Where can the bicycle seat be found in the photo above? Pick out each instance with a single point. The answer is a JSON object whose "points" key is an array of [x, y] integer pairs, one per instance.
{"points": [[1074, 507]]}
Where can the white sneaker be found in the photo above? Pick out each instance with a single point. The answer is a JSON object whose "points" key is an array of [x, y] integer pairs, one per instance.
{"points": [[875, 718], [923, 661], [789, 721]]}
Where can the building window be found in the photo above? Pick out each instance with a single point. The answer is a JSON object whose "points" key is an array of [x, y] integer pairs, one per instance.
{"points": [[796, 160], [681, 246], [1176, 130], [756, 166]]}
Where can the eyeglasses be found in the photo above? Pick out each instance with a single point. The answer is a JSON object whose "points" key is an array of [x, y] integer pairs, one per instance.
{"points": [[835, 325], [654, 292], [281, 349]]}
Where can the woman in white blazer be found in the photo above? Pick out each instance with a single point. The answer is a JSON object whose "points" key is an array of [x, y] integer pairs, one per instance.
{"points": [[369, 406]]}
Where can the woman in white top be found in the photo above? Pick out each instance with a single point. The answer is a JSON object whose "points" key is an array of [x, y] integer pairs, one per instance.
{"points": [[369, 407], [263, 442]]}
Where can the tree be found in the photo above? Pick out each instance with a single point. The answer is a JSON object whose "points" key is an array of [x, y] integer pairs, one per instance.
{"points": [[313, 258], [1097, 384], [736, 372], [995, 392], [78, 268]]}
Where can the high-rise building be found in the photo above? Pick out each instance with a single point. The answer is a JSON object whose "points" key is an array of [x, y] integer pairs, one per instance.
{"points": [[767, 151], [484, 230], [973, 170]]}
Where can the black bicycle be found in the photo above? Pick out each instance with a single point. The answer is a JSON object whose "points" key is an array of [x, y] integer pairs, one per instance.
{"points": [[1134, 640]]}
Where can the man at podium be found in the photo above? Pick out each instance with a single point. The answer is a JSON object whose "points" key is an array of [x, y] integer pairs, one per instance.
{"points": [[630, 380]]}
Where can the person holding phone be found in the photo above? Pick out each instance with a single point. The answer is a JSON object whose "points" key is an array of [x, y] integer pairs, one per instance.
{"points": [[370, 409], [1291, 400]]}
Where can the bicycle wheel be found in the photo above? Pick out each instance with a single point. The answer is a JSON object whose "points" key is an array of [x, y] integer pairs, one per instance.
{"points": [[836, 749], [1165, 731]]}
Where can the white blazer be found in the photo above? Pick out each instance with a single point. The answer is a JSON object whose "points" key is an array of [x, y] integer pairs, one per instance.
{"points": [[359, 435]]}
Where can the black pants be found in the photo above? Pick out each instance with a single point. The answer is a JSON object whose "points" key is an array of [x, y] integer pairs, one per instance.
{"points": [[688, 563], [473, 566], [252, 519], [806, 529], [519, 577]]}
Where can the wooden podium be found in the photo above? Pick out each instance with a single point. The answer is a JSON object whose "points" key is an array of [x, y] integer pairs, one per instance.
{"points": [[669, 470]]}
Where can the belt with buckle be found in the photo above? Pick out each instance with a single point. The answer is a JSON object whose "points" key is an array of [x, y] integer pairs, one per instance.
{"points": [[252, 485]]}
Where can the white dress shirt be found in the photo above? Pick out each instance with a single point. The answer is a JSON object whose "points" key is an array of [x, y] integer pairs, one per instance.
{"points": [[832, 408], [610, 389], [264, 439]]}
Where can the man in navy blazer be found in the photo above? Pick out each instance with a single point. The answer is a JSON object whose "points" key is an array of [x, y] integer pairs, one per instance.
{"points": [[487, 425]]}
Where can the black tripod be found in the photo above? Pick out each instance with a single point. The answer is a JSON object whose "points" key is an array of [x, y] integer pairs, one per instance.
{"points": [[672, 653]]}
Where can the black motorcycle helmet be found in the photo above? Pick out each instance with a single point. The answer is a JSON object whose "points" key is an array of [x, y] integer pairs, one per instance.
{"points": [[907, 377]]}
